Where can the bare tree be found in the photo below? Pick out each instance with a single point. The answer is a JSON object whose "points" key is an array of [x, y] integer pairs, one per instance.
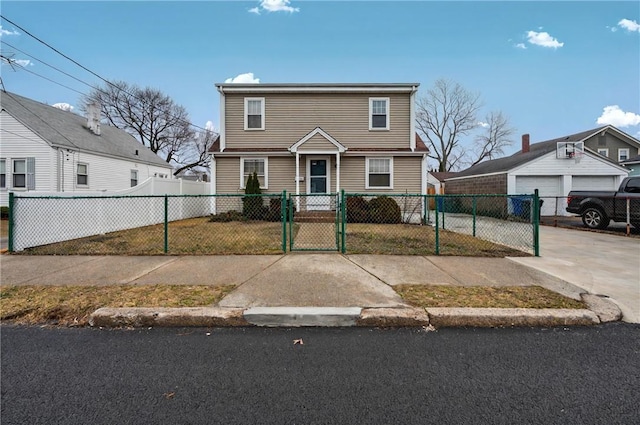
{"points": [[155, 120], [497, 136], [446, 113]]}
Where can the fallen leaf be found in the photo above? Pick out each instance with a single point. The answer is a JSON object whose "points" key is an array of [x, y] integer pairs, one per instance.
{"points": [[298, 341], [429, 328], [168, 395]]}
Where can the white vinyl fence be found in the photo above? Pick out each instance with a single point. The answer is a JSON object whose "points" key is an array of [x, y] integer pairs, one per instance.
{"points": [[41, 218]]}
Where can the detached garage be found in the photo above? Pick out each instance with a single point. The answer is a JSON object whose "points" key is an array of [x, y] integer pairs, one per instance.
{"points": [[554, 167]]}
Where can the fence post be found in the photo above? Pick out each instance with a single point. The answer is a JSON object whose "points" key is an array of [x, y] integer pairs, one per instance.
{"points": [[536, 223], [474, 216], [285, 215], [343, 225], [291, 224], [11, 224], [628, 217], [166, 224], [437, 227], [443, 208], [424, 209]]}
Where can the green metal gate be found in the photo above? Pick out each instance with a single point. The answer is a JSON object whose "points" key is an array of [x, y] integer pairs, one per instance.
{"points": [[314, 222]]}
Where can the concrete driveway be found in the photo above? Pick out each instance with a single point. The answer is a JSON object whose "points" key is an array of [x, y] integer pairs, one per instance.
{"points": [[599, 263]]}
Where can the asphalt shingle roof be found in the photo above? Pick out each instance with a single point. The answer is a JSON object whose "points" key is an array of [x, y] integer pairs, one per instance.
{"points": [[536, 150], [69, 130]]}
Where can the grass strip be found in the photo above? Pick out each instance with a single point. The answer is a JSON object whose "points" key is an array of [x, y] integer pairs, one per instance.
{"points": [[484, 296], [72, 305]]}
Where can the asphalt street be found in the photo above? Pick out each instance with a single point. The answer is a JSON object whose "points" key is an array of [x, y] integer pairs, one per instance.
{"points": [[566, 375]]}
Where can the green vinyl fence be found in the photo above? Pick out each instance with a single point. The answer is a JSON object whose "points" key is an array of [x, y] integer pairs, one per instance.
{"points": [[410, 224]]}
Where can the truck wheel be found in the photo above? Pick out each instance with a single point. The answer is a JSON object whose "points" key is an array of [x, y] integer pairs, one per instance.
{"points": [[593, 218]]}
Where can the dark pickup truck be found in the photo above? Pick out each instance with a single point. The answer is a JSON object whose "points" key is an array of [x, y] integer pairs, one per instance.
{"points": [[599, 208]]}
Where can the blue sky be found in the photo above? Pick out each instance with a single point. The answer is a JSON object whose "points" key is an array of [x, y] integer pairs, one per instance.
{"points": [[553, 68]]}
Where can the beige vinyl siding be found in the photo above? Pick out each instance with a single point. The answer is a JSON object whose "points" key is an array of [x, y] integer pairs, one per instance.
{"points": [[290, 116], [317, 143], [406, 175]]}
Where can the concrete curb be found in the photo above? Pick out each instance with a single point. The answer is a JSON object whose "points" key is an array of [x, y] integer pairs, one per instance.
{"points": [[168, 317], [508, 317], [342, 316], [601, 305]]}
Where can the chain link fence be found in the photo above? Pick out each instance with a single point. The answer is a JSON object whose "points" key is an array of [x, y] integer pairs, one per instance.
{"points": [[408, 224], [440, 224]]}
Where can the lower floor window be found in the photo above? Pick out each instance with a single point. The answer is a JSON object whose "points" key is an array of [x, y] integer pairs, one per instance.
{"points": [[379, 173], [134, 178], [82, 175], [3, 173], [254, 165], [19, 173]]}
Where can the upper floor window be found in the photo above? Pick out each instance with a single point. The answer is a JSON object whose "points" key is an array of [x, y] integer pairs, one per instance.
{"points": [[134, 178], [603, 151], [3, 173], [379, 173], [623, 154], [82, 175], [379, 113], [254, 113], [250, 165]]}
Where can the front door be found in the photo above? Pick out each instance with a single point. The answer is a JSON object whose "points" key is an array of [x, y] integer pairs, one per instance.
{"points": [[318, 183]]}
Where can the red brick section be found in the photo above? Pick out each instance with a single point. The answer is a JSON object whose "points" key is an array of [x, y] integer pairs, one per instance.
{"points": [[496, 183]]}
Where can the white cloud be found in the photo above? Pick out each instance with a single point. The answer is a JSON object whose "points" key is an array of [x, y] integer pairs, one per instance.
{"points": [[521, 46], [209, 126], [243, 79], [274, 6], [615, 116], [543, 39], [63, 106], [7, 32], [629, 25], [483, 124], [22, 62]]}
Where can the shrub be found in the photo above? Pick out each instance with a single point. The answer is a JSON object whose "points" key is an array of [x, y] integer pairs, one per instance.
{"points": [[275, 207], [357, 208], [384, 210], [227, 217], [252, 207], [4, 213]]}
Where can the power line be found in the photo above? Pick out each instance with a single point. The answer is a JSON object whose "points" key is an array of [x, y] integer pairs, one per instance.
{"points": [[91, 72], [11, 61]]}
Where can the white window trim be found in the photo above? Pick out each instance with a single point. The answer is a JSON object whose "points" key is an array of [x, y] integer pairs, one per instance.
{"points": [[605, 150], [266, 171], [78, 174], [246, 115], [366, 172], [620, 156], [137, 177], [13, 173], [388, 121]]}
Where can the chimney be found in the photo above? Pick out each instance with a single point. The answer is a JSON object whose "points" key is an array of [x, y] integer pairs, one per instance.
{"points": [[93, 118], [525, 143]]}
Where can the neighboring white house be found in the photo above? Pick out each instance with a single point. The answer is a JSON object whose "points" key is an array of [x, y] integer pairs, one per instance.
{"points": [[554, 167], [46, 149]]}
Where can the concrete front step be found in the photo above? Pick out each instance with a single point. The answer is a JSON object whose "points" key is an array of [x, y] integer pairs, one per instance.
{"points": [[315, 217]]}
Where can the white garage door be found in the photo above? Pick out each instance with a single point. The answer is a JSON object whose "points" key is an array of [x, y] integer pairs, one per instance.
{"points": [[593, 183], [548, 188]]}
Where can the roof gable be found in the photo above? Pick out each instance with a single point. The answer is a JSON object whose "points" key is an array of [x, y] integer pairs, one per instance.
{"points": [[317, 131], [68, 130]]}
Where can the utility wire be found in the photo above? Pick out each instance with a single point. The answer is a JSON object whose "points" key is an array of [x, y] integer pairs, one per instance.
{"points": [[89, 71], [12, 61]]}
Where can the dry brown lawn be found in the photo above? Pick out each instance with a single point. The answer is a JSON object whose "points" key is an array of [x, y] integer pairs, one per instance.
{"points": [[484, 297], [72, 305]]}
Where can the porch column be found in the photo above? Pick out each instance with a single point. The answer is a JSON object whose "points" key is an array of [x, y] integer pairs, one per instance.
{"points": [[338, 172], [297, 181]]}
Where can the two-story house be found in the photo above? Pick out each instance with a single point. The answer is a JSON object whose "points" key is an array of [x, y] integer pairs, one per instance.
{"points": [[319, 138], [612, 143], [46, 149]]}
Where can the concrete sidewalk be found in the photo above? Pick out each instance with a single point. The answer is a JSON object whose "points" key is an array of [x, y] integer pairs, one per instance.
{"points": [[299, 289]]}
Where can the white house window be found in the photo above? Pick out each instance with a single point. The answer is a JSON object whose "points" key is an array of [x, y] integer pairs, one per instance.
{"points": [[82, 175], [603, 151], [3, 173], [623, 154], [20, 173], [379, 173], [134, 178], [379, 113], [254, 113], [250, 165]]}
